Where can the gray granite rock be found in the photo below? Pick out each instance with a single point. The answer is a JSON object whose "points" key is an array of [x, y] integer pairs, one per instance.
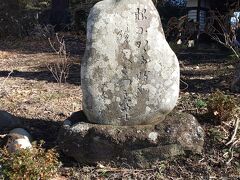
{"points": [[8, 121], [139, 145], [129, 73]]}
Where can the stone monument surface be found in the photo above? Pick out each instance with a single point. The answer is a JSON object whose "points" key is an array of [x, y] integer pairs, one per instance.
{"points": [[130, 75]]}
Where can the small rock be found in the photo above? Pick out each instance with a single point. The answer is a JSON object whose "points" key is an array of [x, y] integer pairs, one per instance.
{"points": [[8, 121], [230, 67], [197, 67], [18, 139]]}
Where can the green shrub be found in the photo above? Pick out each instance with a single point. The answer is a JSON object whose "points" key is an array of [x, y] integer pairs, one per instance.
{"points": [[200, 103], [221, 106], [35, 163]]}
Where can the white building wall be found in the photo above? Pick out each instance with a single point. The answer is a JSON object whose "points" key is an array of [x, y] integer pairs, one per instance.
{"points": [[192, 15], [192, 3], [202, 20]]}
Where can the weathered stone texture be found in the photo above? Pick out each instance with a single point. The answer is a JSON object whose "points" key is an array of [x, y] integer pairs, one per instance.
{"points": [[140, 145], [129, 73]]}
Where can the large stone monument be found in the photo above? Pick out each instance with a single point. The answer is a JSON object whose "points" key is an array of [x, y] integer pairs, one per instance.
{"points": [[130, 75], [130, 83]]}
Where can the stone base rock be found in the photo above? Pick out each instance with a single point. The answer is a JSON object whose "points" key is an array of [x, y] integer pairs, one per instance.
{"points": [[139, 145]]}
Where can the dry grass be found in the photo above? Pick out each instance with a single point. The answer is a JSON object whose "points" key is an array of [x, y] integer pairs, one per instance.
{"points": [[5, 55], [31, 91]]}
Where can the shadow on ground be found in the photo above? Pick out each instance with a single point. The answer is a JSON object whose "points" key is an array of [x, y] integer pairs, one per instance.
{"points": [[45, 130], [203, 58], [208, 72], [74, 45], [204, 86], [41, 129], [46, 75]]}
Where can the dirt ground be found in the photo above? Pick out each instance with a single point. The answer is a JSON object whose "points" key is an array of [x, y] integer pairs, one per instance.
{"points": [[29, 91]]}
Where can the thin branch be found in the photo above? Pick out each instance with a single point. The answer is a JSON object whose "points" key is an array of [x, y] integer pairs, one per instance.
{"points": [[235, 132], [9, 74], [232, 153], [60, 70], [52, 46], [106, 169], [184, 84]]}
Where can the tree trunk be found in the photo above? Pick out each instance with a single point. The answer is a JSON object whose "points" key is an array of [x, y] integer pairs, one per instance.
{"points": [[59, 14]]}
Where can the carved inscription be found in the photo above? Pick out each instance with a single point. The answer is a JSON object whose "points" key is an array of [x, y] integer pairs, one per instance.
{"points": [[141, 14], [123, 37], [143, 75], [140, 30], [127, 54], [144, 59], [145, 47], [104, 85], [125, 71], [138, 44], [125, 105]]}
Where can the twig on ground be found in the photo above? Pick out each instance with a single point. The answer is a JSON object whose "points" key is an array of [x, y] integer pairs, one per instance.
{"points": [[123, 170], [222, 128], [184, 84], [9, 74], [235, 131], [109, 169], [228, 162], [192, 109], [235, 143]]}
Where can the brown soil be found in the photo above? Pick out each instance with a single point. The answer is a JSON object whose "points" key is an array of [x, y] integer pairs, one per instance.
{"points": [[31, 93]]}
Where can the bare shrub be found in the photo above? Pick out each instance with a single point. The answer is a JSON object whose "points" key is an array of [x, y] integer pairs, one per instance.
{"points": [[180, 30], [2, 86], [43, 31], [220, 29], [59, 70]]}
